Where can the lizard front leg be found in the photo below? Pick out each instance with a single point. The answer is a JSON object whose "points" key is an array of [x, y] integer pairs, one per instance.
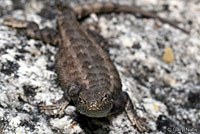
{"points": [[70, 94], [124, 102], [59, 105], [32, 30]]}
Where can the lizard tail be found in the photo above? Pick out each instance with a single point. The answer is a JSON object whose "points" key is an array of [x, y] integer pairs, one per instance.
{"points": [[84, 10]]}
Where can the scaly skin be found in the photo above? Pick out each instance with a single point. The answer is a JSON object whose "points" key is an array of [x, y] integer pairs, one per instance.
{"points": [[88, 77], [80, 59]]}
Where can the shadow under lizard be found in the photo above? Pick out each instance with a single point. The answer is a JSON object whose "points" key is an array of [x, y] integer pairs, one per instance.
{"points": [[87, 75]]}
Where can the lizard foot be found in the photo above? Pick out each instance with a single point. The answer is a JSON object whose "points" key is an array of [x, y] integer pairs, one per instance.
{"points": [[140, 124], [59, 105], [135, 120]]}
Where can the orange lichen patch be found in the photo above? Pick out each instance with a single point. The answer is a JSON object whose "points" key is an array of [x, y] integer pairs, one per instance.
{"points": [[73, 125], [172, 81], [168, 55], [156, 107], [128, 68]]}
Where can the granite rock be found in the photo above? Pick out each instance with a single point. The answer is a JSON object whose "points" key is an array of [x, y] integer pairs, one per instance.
{"points": [[166, 95]]}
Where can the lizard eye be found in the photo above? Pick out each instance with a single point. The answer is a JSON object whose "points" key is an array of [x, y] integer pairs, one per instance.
{"points": [[81, 100], [105, 97], [74, 89]]}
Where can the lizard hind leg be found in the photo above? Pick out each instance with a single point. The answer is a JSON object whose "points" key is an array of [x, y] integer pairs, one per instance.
{"points": [[32, 30]]}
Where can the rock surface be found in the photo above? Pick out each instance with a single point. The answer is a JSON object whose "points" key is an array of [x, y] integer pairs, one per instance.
{"points": [[166, 95]]}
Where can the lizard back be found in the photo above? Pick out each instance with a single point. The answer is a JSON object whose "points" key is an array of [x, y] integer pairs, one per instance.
{"points": [[80, 59]]}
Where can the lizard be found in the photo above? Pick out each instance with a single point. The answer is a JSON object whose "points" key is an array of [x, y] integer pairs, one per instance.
{"points": [[85, 71]]}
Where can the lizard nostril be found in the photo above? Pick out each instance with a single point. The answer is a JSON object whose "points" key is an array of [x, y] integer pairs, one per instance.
{"points": [[93, 106]]}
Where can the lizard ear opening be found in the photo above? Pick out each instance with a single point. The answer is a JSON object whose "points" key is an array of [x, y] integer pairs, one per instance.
{"points": [[74, 89]]}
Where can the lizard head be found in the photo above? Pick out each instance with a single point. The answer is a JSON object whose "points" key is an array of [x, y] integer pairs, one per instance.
{"points": [[92, 103]]}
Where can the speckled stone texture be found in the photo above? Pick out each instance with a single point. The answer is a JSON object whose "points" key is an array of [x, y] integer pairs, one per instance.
{"points": [[166, 95]]}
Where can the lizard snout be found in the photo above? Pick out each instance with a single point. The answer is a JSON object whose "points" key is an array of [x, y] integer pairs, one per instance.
{"points": [[95, 106], [95, 109]]}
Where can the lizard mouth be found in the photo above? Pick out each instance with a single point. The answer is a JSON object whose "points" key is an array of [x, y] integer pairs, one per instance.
{"points": [[95, 110]]}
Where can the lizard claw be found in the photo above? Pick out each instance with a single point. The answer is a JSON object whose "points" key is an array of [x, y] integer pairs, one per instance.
{"points": [[139, 123], [15, 23], [50, 107], [135, 120], [59, 105], [142, 125]]}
